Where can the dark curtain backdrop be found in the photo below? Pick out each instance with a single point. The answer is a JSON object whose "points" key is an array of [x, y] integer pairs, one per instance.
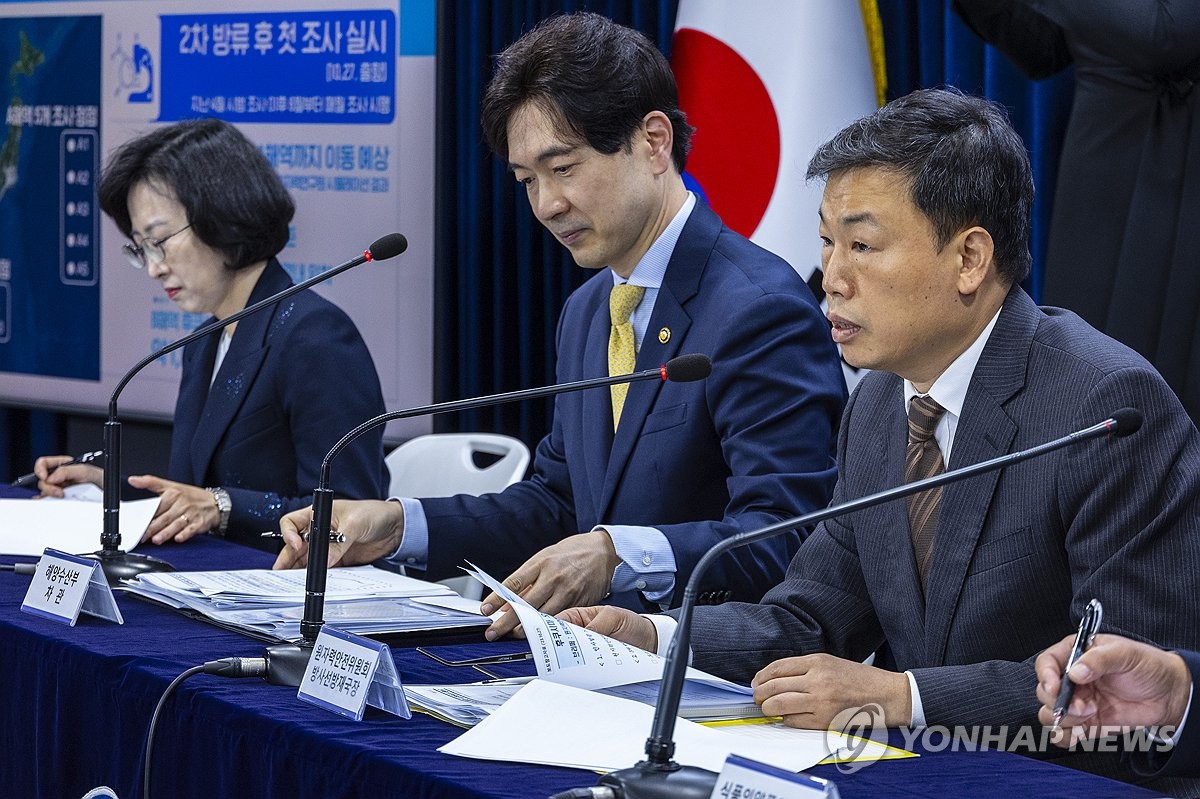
{"points": [[501, 279]]}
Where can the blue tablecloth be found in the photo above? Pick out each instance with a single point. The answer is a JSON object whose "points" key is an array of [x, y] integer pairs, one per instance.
{"points": [[76, 703]]}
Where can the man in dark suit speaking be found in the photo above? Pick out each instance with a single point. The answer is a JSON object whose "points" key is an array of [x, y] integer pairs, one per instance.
{"points": [[924, 224], [631, 487]]}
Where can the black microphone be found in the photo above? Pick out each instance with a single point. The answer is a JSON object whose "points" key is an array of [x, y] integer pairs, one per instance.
{"points": [[286, 662], [119, 565], [659, 775]]}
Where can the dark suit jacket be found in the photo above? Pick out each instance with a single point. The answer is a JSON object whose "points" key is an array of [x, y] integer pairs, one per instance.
{"points": [[746, 447], [272, 414], [1017, 553], [1184, 759]]}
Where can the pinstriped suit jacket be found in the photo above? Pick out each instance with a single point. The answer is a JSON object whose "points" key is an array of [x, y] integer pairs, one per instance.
{"points": [[1018, 553]]}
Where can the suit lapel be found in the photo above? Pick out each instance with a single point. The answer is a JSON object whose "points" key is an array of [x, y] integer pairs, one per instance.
{"points": [[597, 434], [680, 283], [193, 393], [247, 352], [668, 313], [985, 430], [885, 544]]}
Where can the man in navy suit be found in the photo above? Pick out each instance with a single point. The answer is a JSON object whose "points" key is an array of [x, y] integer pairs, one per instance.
{"points": [[924, 225], [1120, 684], [586, 114]]}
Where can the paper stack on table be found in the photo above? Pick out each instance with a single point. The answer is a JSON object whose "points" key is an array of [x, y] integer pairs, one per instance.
{"points": [[363, 600], [570, 655], [556, 720]]}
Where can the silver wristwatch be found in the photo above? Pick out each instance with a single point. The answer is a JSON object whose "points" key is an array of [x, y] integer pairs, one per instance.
{"points": [[224, 507]]}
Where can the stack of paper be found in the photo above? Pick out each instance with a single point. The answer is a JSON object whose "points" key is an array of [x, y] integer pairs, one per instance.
{"points": [[553, 720], [571, 655], [265, 603]]}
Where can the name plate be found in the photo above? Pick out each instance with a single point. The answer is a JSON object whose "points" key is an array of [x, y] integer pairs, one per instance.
{"points": [[66, 585], [742, 778], [347, 672]]}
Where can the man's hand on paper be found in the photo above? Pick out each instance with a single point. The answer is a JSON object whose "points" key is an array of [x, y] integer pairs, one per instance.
{"points": [[619, 623], [576, 571], [184, 511], [372, 529], [808, 691]]}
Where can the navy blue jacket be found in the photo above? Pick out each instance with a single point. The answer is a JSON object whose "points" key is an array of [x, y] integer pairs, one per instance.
{"points": [[748, 446], [273, 412]]}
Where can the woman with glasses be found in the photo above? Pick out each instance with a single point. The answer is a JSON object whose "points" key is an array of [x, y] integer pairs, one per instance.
{"points": [[206, 215]]}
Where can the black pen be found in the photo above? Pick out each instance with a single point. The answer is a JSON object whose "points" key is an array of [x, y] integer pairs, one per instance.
{"points": [[30, 480], [1088, 626], [334, 536]]}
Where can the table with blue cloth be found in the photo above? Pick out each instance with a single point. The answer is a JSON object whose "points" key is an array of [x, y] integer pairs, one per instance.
{"points": [[77, 703]]}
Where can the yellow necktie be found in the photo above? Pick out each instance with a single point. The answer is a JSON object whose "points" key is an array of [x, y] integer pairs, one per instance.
{"points": [[622, 354]]}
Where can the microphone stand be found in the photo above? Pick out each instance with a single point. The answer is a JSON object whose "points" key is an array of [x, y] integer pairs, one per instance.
{"points": [[286, 663], [659, 776], [118, 565]]}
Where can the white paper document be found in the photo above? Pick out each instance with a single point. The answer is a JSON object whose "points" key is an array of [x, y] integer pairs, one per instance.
{"points": [[28, 526], [558, 725], [363, 600], [571, 655]]}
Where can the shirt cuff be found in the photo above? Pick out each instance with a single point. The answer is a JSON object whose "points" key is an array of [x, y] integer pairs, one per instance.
{"points": [[1174, 739], [918, 710], [413, 552], [647, 561], [665, 625]]}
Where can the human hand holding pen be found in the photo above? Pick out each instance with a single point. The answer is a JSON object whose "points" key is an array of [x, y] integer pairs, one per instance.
{"points": [[1120, 683], [52, 473], [370, 529], [1089, 625]]}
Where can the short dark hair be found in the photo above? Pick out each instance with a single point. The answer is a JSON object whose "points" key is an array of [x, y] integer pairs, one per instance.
{"points": [[596, 78], [964, 163], [235, 202]]}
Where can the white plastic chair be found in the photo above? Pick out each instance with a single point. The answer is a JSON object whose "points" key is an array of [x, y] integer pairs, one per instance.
{"points": [[443, 464]]}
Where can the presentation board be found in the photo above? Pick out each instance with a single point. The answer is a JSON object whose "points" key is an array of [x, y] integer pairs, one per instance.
{"points": [[339, 98]]}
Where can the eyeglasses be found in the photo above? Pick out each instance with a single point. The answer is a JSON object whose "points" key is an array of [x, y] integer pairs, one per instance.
{"points": [[149, 251]]}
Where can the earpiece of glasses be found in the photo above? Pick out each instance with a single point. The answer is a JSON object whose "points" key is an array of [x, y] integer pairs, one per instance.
{"points": [[149, 251]]}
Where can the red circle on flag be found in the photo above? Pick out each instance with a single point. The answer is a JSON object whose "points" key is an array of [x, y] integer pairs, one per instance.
{"points": [[735, 150]]}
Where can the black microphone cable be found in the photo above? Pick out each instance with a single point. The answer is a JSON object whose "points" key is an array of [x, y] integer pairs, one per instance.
{"points": [[225, 667]]}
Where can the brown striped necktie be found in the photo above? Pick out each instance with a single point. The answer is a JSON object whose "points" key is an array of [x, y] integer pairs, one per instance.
{"points": [[922, 460]]}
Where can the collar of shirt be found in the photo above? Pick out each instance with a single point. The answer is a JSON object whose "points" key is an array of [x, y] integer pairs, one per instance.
{"points": [[652, 267], [950, 390]]}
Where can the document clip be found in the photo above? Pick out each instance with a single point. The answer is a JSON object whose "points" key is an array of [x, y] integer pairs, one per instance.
{"points": [[742, 777], [347, 672], [66, 585]]}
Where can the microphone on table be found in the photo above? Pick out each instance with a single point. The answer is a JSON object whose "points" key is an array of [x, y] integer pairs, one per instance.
{"points": [[286, 662], [119, 565], [659, 775]]}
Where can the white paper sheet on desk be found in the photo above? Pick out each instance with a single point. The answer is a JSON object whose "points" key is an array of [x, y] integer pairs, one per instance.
{"points": [[568, 654], [241, 588], [454, 602], [28, 526], [557, 725]]}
